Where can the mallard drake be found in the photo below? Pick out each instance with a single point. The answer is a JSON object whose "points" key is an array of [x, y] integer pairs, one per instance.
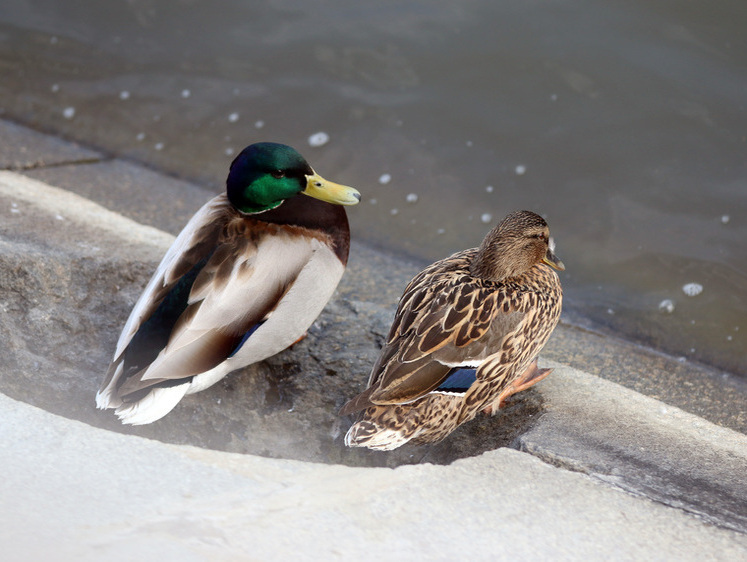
{"points": [[465, 337], [243, 281]]}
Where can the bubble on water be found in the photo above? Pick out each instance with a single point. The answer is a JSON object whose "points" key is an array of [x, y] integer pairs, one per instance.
{"points": [[372, 200], [158, 146], [610, 311], [233, 117], [229, 151], [124, 95], [68, 112], [394, 212], [520, 170], [554, 97], [14, 208], [412, 198], [667, 305], [385, 179], [725, 219], [729, 338], [140, 136], [489, 188], [59, 217], [441, 231], [186, 93], [692, 289], [55, 88], [318, 139], [53, 40], [469, 144], [486, 218], [259, 124]]}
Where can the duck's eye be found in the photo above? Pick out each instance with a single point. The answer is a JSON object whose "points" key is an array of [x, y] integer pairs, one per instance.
{"points": [[277, 174]]}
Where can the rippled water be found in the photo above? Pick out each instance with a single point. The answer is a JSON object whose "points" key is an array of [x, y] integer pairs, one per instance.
{"points": [[623, 123]]}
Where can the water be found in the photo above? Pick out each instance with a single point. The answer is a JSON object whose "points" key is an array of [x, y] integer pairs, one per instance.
{"points": [[623, 123]]}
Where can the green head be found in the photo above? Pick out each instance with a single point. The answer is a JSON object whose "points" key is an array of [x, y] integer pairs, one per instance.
{"points": [[265, 174]]}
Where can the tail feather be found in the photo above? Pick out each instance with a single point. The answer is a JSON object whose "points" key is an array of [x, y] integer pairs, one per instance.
{"points": [[106, 397], [155, 405], [366, 433]]}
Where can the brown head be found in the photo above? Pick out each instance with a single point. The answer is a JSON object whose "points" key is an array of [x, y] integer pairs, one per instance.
{"points": [[517, 244]]}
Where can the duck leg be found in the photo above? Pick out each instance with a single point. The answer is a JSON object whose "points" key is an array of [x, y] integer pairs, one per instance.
{"points": [[531, 376]]}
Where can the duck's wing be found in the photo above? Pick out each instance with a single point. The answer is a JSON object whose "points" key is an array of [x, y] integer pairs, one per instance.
{"points": [[445, 319], [255, 294], [193, 244], [183, 260]]}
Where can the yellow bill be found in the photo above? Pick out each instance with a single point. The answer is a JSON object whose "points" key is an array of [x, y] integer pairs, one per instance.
{"points": [[319, 188]]}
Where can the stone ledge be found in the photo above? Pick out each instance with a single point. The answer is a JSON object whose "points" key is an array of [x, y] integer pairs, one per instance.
{"points": [[80, 493], [67, 286]]}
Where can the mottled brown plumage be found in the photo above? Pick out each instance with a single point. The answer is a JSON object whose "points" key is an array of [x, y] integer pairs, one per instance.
{"points": [[490, 309]]}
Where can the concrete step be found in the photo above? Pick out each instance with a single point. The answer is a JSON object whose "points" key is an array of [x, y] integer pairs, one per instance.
{"points": [[588, 469]]}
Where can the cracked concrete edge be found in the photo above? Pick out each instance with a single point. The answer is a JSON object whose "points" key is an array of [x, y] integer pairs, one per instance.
{"points": [[641, 445], [574, 390]]}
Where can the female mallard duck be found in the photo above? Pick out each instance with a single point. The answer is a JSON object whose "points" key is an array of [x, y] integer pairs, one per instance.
{"points": [[244, 280], [465, 337]]}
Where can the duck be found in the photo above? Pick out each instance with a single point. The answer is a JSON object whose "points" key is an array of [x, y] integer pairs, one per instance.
{"points": [[244, 280], [465, 337]]}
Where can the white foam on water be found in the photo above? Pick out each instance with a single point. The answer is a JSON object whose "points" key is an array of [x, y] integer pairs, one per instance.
{"points": [[318, 139], [667, 305], [692, 289]]}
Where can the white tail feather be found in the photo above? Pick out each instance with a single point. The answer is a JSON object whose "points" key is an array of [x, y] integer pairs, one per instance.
{"points": [[382, 440], [156, 404]]}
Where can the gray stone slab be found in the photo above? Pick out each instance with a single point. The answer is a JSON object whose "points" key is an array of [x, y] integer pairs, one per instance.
{"points": [[72, 492], [695, 388], [23, 148], [646, 447], [143, 195]]}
